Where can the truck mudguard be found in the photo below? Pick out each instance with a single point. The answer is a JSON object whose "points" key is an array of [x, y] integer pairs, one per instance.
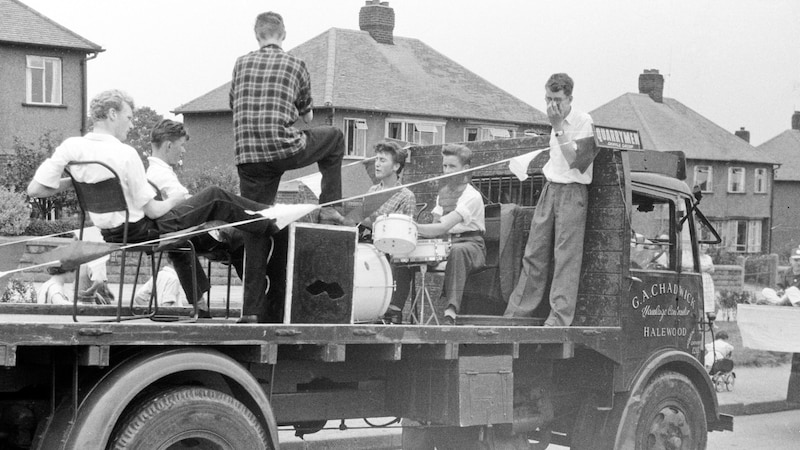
{"points": [[99, 411], [676, 361]]}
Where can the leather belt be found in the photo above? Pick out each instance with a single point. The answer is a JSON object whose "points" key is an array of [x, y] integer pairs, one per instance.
{"points": [[466, 234]]}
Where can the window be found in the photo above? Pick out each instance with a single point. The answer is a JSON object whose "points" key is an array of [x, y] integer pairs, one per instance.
{"points": [[652, 237], [743, 236], [355, 137], [417, 132], [736, 180], [487, 133], [760, 186], [508, 189], [703, 177], [43, 80]]}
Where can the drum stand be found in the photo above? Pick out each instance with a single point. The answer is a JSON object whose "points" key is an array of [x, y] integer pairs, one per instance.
{"points": [[421, 297]]}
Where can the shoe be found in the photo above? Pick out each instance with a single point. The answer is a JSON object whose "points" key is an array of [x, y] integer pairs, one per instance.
{"points": [[204, 314], [250, 318], [450, 316], [328, 215], [393, 317]]}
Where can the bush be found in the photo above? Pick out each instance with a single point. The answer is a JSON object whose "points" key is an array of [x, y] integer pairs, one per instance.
{"points": [[196, 180], [39, 227], [15, 212], [729, 299], [19, 292], [722, 256]]}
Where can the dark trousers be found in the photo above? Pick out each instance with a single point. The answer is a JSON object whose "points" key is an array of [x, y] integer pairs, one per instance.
{"points": [[555, 244], [402, 281], [260, 181], [210, 204], [467, 254], [324, 146]]}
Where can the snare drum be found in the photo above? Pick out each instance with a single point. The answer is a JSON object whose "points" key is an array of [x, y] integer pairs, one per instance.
{"points": [[426, 251], [394, 233]]}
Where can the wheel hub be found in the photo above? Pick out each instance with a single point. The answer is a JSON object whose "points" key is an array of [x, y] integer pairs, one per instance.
{"points": [[669, 430]]}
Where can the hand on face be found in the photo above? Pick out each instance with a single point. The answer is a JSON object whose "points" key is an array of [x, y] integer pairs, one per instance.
{"points": [[558, 107]]}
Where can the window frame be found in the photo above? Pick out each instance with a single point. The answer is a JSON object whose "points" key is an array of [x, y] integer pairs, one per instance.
{"points": [[410, 133], [760, 175], [56, 96], [709, 181], [360, 140], [741, 183]]}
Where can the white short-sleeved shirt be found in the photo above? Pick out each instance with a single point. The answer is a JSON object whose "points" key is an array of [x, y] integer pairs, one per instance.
{"points": [[163, 176], [169, 288], [470, 207], [577, 125], [107, 149]]}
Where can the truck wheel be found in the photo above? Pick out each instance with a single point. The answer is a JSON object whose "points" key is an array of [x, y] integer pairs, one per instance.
{"points": [[189, 417], [672, 416]]}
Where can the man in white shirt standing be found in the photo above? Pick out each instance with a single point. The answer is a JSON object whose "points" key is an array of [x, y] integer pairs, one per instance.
{"points": [[557, 229]]}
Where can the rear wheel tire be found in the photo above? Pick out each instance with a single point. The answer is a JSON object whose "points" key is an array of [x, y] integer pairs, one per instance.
{"points": [[189, 417], [672, 415]]}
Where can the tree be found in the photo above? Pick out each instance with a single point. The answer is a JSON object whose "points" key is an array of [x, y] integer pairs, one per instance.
{"points": [[144, 119], [20, 169]]}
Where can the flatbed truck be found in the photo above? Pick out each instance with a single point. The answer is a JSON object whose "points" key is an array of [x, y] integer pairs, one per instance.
{"points": [[626, 375]]}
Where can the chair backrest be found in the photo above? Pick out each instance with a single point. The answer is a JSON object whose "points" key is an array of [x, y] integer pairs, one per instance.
{"points": [[101, 197]]}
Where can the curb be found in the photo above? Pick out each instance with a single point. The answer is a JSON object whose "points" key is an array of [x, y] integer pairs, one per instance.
{"points": [[383, 441], [746, 409]]}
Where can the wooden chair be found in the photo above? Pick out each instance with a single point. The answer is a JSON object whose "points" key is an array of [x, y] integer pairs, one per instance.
{"points": [[107, 196]]}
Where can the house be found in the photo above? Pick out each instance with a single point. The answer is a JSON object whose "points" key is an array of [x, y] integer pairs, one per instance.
{"points": [[374, 85], [785, 148], [736, 180], [43, 76]]}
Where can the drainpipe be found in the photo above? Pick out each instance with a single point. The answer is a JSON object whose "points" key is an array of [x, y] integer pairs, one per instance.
{"points": [[771, 208], [84, 92]]}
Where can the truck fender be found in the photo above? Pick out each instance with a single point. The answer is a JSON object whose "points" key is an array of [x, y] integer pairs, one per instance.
{"points": [[667, 359], [105, 402]]}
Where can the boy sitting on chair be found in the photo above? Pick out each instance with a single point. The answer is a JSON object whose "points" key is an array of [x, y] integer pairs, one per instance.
{"points": [[458, 214], [112, 112], [167, 141]]}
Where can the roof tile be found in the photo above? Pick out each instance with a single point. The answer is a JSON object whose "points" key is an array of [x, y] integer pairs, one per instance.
{"points": [[785, 148], [21, 24], [351, 70], [671, 125]]}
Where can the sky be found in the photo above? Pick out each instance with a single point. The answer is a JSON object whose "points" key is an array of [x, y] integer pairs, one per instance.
{"points": [[736, 62]]}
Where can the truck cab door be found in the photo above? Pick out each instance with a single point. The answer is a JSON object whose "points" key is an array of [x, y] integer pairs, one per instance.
{"points": [[665, 284]]}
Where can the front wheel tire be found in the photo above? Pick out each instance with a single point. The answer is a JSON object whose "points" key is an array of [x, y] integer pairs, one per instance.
{"points": [[672, 415], [189, 417]]}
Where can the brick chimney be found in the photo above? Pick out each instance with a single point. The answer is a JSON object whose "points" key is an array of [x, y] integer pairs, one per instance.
{"points": [[796, 120], [652, 83], [377, 18], [743, 134]]}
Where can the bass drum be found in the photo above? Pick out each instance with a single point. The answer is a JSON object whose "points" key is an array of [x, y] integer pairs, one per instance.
{"points": [[373, 287]]}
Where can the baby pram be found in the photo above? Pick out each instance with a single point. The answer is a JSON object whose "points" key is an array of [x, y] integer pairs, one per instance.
{"points": [[722, 374]]}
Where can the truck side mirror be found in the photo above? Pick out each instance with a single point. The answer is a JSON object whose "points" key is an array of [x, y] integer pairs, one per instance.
{"points": [[697, 193]]}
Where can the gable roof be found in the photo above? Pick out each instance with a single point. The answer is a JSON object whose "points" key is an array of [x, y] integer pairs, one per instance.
{"points": [[20, 24], [350, 70], [785, 148], [671, 125]]}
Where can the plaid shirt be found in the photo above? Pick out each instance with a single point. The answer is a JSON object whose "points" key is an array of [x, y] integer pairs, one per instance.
{"points": [[402, 202], [270, 90]]}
